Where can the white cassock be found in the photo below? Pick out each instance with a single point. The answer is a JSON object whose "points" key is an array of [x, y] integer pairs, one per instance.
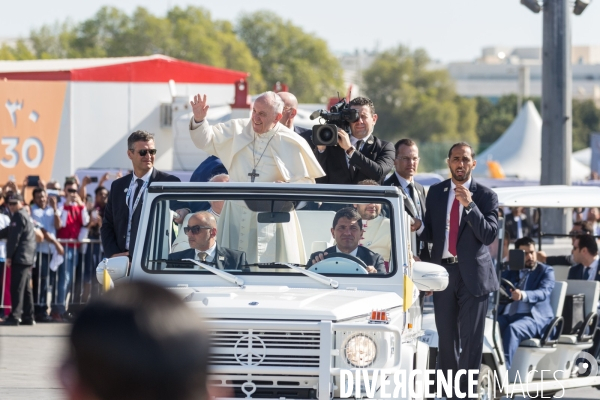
{"points": [[286, 157], [376, 236]]}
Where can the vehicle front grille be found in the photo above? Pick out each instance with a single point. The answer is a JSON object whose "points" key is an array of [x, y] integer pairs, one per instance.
{"points": [[253, 347]]}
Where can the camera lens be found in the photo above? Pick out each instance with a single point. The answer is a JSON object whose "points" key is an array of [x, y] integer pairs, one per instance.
{"points": [[326, 134]]}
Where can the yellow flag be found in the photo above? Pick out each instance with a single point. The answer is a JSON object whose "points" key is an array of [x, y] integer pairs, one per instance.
{"points": [[107, 282], [408, 293]]}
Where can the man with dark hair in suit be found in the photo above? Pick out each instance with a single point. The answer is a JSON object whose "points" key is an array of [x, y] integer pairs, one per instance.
{"points": [[138, 341], [585, 254], [290, 110], [406, 164], [358, 155], [461, 221], [201, 231], [122, 212], [530, 312], [347, 231], [20, 256], [517, 223]]}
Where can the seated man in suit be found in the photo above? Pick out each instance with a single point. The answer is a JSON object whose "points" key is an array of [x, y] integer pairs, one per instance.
{"points": [[585, 254], [201, 231], [530, 312], [347, 231]]}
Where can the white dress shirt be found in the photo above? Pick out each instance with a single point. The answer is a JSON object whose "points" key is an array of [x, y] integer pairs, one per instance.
{"points": [[210, 253], [404, 183], [593, 268], [352, 253], [132, 187], [451, 197]]}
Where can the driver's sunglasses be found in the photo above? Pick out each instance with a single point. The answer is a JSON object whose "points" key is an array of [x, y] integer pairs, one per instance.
{"points": [[143, 152], [194, 229]]}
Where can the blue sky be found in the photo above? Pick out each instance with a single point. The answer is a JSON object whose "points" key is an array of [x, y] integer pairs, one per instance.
{"points": [[450, 30]]}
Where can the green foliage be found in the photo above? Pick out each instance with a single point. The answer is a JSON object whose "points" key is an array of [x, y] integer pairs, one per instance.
{"points": [[417, 102], [586, 120], [289, 55], [19, 52], [188, 34]]}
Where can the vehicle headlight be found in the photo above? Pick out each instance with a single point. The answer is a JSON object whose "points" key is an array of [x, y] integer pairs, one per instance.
{"points": [[360, 351]]}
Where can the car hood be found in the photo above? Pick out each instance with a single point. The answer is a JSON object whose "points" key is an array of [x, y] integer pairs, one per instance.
{"points": [[284, 303]]}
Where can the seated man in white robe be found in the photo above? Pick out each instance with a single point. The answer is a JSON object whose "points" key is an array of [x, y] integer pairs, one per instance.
{"points": [[376, 228], [259, 149]]}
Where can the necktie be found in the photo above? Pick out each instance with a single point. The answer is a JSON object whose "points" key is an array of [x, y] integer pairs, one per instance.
{"points": [[139, 183], [413, 196], [202, 256], [586, 273], [453, 234]]}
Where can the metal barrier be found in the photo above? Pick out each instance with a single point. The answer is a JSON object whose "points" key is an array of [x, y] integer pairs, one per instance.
{"points": [[69, 286]]}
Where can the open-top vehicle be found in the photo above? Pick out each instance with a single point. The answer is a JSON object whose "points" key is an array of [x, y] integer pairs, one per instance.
{"points": [[280, 329]]}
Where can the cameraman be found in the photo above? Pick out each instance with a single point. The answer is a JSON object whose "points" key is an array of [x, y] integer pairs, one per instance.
{"points": [[358, 156]]}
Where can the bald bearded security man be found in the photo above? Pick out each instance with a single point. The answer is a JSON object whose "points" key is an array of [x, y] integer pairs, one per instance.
{"points": [[259, 149], [290, 110]]}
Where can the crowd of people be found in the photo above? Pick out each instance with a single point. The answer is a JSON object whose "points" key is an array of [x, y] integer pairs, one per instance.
{"points": [[52, 257], [454, 222]]}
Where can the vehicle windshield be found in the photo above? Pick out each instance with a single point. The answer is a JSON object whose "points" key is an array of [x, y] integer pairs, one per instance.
{"points": [[253, 234]]}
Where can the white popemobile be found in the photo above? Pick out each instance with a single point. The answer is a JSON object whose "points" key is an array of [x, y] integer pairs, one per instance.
{"points": [[279, 329]]}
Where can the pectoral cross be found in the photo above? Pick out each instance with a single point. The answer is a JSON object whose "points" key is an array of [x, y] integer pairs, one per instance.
{"points": [[253, 175]]}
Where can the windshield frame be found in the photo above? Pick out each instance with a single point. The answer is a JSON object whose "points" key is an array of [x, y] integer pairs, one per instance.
{"points": [[215, 192]]}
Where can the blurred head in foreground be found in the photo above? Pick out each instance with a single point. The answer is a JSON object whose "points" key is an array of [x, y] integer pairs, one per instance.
{"points": [[137, 342]]}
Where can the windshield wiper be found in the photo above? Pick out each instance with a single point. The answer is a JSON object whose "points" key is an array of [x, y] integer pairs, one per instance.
{"points": [[313, 275], [225, 275]]}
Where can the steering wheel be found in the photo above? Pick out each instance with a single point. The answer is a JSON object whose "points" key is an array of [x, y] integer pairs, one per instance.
{"points": [[349, 257], [505, 296]]}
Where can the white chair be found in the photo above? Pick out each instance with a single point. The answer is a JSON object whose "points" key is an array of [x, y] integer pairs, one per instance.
{"points": [[560, 363], [531, 351], [316, 229]]}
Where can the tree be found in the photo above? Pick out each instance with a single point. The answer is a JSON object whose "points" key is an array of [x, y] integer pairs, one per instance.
{"points": [[188, 34], [19, 52], [289, 55], [586, 119], [415, 101]]}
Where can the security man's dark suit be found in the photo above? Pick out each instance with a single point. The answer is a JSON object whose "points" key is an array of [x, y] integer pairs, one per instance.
{"points": [[423, 252], [116, 214], [20, 248], [224, 258], [374, 160], [306, 134], [470, 280], [576, 272]]}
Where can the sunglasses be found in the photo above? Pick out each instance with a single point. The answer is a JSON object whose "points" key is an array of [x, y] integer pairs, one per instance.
{"points": [[72, 190], [194, 229], [145, 151]]}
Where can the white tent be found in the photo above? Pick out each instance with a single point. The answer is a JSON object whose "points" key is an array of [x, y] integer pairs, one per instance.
{"points": [[519, 149]]}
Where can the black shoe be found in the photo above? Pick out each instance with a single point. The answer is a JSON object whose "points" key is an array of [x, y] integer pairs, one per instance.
{"points": [[43, 318], [68, 316], [10, 321], [27, 321]]}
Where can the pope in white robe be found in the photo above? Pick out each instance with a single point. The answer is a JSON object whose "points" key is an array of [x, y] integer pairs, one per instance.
{"points": [[377, 236], [259, 149]]}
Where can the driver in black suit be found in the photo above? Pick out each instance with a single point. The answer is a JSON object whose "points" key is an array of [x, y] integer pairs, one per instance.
{"points": [[201, 231], [347, 231]]}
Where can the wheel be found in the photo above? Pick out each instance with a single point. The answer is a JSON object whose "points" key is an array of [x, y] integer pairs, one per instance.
{"points": [[349, 257], [485, 384], [505, 296]]}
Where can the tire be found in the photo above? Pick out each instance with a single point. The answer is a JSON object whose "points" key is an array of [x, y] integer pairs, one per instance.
{"points": [[485, 384]]}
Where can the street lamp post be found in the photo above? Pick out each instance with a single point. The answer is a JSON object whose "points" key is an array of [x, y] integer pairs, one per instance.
{"points": [[557, 121]]}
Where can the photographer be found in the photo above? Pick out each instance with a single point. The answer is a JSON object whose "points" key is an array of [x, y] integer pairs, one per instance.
{"points": [[358, 156]]}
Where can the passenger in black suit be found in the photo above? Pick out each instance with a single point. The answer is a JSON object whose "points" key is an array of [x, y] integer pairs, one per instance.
{"points": [[585, 253], [118, 232], [461, 221], [201, 231], [406, 164], [359, 156], [290, 110], [347, 231], [519, 227]]}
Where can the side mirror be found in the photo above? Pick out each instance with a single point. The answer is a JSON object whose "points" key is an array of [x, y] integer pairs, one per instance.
{"points": [[117, 268], [428, 276]]}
